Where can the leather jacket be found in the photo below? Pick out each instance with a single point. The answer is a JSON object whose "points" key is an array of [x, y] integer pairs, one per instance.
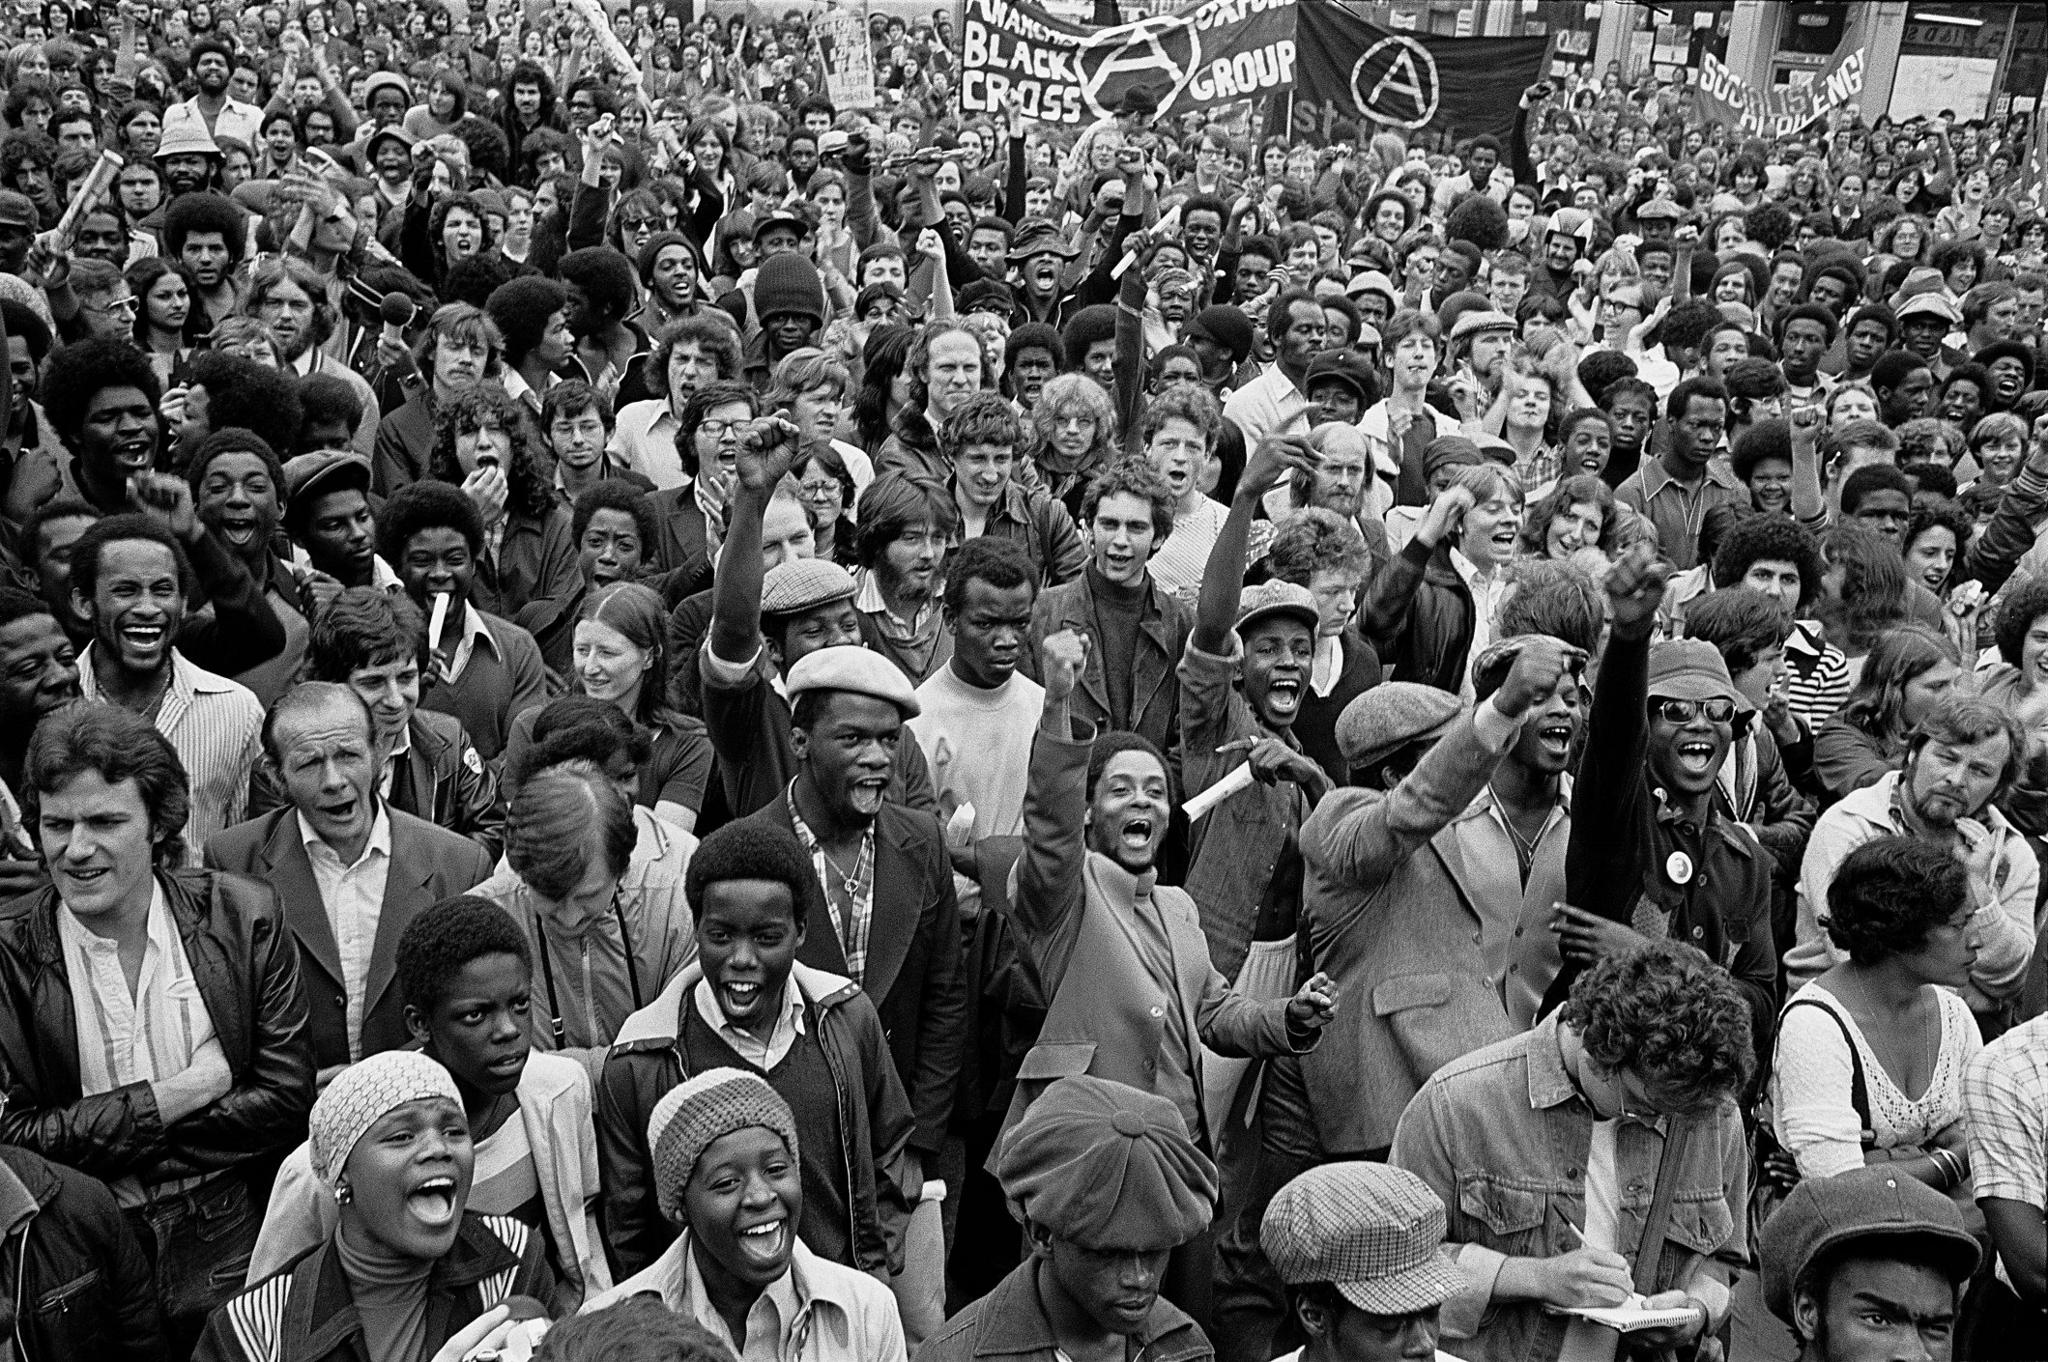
{"points": [[246, 967]]}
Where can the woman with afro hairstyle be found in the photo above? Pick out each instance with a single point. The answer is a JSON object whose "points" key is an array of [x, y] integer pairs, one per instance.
{"points": [[484, 444]]}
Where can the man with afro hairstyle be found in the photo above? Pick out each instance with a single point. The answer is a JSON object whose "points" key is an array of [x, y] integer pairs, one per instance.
{"points": [[208, 234], [602, 293]]}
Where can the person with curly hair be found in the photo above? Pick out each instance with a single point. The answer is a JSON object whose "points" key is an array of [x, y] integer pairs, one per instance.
{"points": [[484, 445], [1869, 1060], [1653, 1032], [1964, 759]]}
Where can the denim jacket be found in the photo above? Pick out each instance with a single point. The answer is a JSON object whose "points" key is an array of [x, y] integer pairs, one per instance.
{"points": [[1502, 1136]]}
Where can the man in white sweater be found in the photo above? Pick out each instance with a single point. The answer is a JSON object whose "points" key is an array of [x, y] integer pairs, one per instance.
{"points": [[978, 711]]}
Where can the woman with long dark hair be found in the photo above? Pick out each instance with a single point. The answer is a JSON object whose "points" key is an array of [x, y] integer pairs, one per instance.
{"points": [[170, 321]]}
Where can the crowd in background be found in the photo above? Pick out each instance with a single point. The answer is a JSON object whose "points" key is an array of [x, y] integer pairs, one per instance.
{"points": [[645, 717]]}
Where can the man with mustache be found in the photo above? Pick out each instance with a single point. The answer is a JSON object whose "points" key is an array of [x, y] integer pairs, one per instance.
{"points": [[1963, 758]]}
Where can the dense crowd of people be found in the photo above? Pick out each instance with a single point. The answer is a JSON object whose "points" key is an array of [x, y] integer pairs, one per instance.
{"points": [[641, 717]]}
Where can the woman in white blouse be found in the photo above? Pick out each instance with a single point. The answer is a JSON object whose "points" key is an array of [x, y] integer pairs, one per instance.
{"points": [[1870, 1055]]}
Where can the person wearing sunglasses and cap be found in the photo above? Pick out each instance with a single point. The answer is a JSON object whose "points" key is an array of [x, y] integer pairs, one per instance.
{"points": [[1650, 854]]}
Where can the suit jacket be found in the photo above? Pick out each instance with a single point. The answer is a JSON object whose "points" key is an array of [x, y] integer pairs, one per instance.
{"points": [[1071, 908], [428, 864], [1163, 629], [913, 971]]}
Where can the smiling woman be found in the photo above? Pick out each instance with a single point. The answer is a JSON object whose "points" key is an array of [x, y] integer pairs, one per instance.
{"points": [[390, 1142]]}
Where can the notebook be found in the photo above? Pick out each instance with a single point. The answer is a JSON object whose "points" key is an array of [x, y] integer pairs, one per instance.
{"points": [[1632, 1315]]}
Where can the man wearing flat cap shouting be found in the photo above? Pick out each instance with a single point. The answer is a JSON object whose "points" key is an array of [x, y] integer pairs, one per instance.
{"points": [[1107, 1183]]}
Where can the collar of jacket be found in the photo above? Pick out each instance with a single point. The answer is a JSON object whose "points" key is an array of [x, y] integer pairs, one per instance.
{"points": [[1013, 1321], [1550, 1083], [1712, 825], [184, 895], [911, 427], [656, 1026], [477, 1254]]}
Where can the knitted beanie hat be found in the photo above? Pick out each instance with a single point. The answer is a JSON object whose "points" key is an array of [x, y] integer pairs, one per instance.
{"points": [[1227, 326], [359, 1097], [789, 283], [699, 1110]]}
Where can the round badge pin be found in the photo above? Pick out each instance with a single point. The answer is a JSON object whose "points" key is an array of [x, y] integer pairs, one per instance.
{"points": [[1679, 867]]}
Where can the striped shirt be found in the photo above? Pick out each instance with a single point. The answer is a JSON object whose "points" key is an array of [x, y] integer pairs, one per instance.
{"points": [[1816, 676], [141, 1036], [215, 727]]}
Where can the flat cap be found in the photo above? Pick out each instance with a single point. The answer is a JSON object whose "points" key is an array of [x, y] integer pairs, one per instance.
{"points": [[311, 475], [1389, 717], [17, 210], [1472, 323], [802, 583], [849, 667], [1107, 1166], [1227, 326], [1373, 1231], [1933, 303], [1276, 598], [1372, 281], [1869, 1208]]}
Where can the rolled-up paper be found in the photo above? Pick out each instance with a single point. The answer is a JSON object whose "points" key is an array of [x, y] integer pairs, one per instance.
{"points": [[1237, 778], [601, 34], [97, 182], [437, 621]]}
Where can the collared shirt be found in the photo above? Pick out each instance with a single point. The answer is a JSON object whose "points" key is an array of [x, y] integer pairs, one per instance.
{"points": [[353, 896], [1487, 594], [400, 749], [764, 1055], [644, 439], [214, 725], [1268, 405], [771, 1319], [849, 897], [141, 1036], [473, 633], [243, 122], [382, 576], [1178, 562], [1677, 510]]}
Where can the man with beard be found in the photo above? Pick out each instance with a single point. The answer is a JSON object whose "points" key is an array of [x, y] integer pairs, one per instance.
{"points": [[188, 157], [290, 298], [27, 162], [207, 234], [38, 677], [132, 576], [222, 114], [1651, 855], [1962, 759], [1274, 403], [905, 524], [901, 945]]}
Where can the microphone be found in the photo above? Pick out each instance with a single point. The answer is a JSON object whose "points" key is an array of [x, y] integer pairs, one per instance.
{"points": [[397, 310]]}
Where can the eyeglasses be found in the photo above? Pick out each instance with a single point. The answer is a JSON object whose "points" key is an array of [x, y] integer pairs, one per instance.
{"points": [[1718, 710], [819, 490], [718, 430], [637, 224]]}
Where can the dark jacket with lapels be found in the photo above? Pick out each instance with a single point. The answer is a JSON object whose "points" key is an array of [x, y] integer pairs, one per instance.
{"points": [[247, 971], [646, 1060], [1010, 1322], [427, 864], [306, 1314], [1419, 617], [913, 961]]}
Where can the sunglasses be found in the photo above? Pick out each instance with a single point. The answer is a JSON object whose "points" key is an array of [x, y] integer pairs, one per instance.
{"points": [[1718, 711]]}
